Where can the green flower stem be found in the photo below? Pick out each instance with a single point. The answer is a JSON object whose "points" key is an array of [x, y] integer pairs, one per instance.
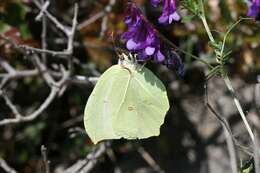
{"points": [[228, 31], [205, 23], [225, 77], [184, 52], [239, 107]]}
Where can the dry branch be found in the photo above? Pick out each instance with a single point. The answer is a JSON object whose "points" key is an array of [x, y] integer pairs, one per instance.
{"points": [[6, 167]]}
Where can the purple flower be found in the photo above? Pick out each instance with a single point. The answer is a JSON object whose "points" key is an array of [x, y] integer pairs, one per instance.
{"points": [[155, 3], [254, 10], [175, 61], [142, 39], [169, 13]]}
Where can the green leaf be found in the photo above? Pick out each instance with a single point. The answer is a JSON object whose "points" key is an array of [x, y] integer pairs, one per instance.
{"points": [[216, 46], [226, 56], [215, 71], [127, 102]]}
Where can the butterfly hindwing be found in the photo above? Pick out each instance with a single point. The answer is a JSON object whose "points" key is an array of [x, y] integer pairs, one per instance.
{"points": [[127, 102]]}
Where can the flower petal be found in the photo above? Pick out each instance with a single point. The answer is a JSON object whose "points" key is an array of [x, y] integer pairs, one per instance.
{"points": [[155, 3], [169, 13], [131, 45], [254, 10], [149, 50]]}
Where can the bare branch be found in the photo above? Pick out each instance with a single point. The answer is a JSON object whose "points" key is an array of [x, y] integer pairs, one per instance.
{"points": [[256, 154], [59, 25], [6, 66], [84, 80], [19, 118], [55, 86], [11, 105], [70, 33], [46, 162], [257, 96], [229, 139], [20, 74], [44, 8], [148, 158], [228, 134], [112, 156], [103, 26], [99, 15], [25, 49], [58, 81], [86, 165], [44, 29], [6, 167]]}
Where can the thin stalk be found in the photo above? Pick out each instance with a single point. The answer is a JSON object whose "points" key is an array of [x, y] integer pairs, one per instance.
{"points": [[225, 77], [43, 35], [205, 23], [256, 154], [239, 107], [228, 31], [184, 52]]}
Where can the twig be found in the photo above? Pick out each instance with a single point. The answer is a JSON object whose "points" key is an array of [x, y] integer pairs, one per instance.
{"points": [[6, 167], [44, 29], [86, 165], [12, 73], [6, 66], [112, 157], [257, 96], [183, 51], [20, 74], [256, 154], [229, 139], [97, 16], [65, 77], [11, 105], [219, 54], [103, 26], [228, 134], [59, 25], [26, 49], [84, 80], [239, 108], [19, 118], [55, 86], [148, 158], [69, 32], [46, 162], [228, 31], [44, 8]]}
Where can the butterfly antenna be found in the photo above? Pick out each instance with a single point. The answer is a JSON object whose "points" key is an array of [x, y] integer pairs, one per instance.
{"points": [[121, 53], [116, 48]]}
